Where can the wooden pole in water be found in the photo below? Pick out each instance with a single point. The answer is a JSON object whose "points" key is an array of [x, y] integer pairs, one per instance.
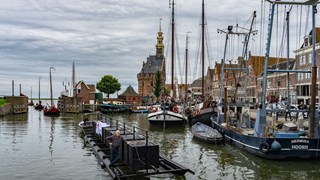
{"points": [[12, 87]]}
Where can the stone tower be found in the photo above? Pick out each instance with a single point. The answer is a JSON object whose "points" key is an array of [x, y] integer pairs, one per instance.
{"points": [[146, 77]]}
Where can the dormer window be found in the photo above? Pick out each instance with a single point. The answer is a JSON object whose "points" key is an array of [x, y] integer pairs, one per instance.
{"points": [[307, 40]]}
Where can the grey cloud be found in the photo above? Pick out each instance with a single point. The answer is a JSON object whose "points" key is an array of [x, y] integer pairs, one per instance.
{"points": [[100, 36]]}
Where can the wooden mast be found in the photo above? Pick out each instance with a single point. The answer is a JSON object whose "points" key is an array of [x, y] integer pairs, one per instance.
{"points": [[74, 81], [51, 96], [172, 51], [39, 90], [202, 50], [31, 95], [186, 75], [313, 116]]}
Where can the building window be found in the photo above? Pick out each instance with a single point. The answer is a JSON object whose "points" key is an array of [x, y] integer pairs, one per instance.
{"points": [[289, 81], [279, 82], [310, 58], [269, 84], [302, 60], [308, 75]]}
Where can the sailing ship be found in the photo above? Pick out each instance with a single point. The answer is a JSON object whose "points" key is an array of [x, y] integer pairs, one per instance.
{"points": [[203, 110], [51, 110], [39, 105], [263, 139], [172, 115]]}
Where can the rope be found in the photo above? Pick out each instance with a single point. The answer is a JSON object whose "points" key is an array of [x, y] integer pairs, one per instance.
{"points": [[154, 168]]}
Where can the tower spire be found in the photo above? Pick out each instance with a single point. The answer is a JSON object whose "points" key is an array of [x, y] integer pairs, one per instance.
{"points": [[160, 45]]}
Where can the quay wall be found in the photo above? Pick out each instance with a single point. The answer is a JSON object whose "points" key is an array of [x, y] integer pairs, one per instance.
{"points": [[19, 104], [70, 104], [5, 110]]}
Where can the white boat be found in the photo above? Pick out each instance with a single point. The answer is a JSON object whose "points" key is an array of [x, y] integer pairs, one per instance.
{"points": [[162, 117]]}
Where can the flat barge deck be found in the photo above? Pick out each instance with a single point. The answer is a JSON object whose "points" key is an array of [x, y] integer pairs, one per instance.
{"points": [[139, 156]]}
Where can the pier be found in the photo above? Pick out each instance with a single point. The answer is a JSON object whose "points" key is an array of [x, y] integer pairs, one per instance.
{"points": [[140, 157], [70, 104], [15, 105]]}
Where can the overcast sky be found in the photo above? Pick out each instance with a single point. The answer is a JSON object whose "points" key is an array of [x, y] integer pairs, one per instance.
{"points": [[109, 37]]}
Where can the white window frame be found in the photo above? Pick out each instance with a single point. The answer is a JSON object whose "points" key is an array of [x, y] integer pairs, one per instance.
{"points": [[302, 60], [310, 58], [308, 75]]}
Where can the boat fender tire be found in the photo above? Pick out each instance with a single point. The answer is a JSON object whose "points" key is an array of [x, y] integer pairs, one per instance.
{"points": [[264, 147], [175, 109], [197, 111], [153, 109]]}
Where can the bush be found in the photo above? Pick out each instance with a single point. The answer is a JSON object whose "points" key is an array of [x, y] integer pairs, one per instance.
{"points": [[2, 102]]}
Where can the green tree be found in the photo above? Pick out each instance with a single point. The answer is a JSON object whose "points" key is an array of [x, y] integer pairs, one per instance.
{"points": [[158, 85], [108, 84], [2, 102]]}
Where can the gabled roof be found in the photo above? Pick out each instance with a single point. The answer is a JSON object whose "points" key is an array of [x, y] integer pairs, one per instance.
{"points": [[129, 92], [218, 67], [282, 66], [78, 85], [317, 37], [257, 63], [210, 73]]}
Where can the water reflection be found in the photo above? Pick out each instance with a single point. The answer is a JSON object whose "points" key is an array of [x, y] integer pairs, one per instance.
{"points": [[68, 157], [51, 139]]}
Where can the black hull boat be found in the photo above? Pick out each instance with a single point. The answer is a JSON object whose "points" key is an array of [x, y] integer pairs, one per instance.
{"points": [[202, 116], [284, 145], [291, 141], [206, 133], [38, 107]]}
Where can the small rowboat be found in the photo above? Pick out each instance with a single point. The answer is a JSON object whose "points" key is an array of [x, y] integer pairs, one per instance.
{"points": [[206, 133]]}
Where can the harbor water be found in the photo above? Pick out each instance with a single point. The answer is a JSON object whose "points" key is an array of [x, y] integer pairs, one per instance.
{"points": [[34, 147]]}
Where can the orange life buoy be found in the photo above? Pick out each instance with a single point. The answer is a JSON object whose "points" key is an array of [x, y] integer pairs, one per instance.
{"points": [[197, 111], [175, 109], [154, 109]]}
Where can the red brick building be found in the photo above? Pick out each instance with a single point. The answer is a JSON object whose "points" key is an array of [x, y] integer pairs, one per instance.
{"points": [[86, 91]]}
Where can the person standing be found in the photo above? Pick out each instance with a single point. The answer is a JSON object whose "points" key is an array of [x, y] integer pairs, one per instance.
{"points": [[116, 141], [288, 112]]}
